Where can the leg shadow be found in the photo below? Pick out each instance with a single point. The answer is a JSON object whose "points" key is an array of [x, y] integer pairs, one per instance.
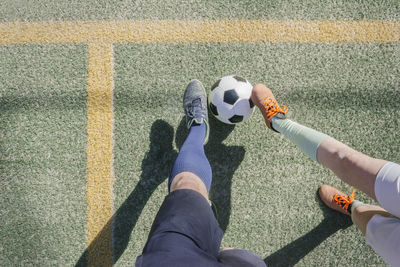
{"points": [[224, 161], [155, 169], [292, 253]]}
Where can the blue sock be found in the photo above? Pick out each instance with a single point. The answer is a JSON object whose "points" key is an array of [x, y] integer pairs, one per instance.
{"points": [[191, 157]]}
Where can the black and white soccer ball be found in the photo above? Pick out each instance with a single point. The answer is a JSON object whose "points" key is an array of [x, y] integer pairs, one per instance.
{"points": [[230, 99]]}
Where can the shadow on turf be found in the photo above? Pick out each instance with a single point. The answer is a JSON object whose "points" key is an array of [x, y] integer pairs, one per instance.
{"points": [[155, 169], [292, 253]]}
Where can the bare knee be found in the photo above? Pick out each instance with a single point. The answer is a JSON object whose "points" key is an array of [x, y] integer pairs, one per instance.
{"points": [[188, 180]]}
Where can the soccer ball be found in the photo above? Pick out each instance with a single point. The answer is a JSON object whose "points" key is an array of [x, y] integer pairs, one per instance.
{"points": [[230, 99]]}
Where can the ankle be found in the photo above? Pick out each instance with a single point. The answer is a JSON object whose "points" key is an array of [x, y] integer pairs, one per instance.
{"points": [[355, 204]]}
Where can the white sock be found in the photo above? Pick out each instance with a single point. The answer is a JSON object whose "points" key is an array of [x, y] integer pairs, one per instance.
{"points": [[305, 138], [355, 204]]}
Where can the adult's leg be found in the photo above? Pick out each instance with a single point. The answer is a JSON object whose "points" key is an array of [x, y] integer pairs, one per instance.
{"points": [[189, 180], [185, 231], [191, 169], [380, 228], [362, 214], [353, 167], [378, 178]]}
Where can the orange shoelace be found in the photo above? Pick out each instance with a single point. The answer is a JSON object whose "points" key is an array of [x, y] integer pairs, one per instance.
{"points": [[343, 201], [272, 108]]}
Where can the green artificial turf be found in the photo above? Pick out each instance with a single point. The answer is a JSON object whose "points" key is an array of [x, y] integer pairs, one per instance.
{"points": [[42, 154], [38, 10], [264, 187]]}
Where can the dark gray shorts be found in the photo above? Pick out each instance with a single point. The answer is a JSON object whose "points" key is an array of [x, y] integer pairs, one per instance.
{"points": [[186, 233]]}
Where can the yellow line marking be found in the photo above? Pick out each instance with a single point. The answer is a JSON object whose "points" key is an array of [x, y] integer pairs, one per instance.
{"points": [[101, 35], [100, 154], [270, 31]]}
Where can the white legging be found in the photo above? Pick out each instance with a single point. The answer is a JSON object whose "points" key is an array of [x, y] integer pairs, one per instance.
{"points": [[383, 233]]}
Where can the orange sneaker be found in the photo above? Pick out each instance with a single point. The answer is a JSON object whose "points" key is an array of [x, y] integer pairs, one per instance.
{"points": [[265, 100], [335, 199]]}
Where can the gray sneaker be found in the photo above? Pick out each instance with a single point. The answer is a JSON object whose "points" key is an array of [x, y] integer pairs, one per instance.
{"points": [[195, 106]]}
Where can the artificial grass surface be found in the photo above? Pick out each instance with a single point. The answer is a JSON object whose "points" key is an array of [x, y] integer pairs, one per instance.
{"points": [[264, 186], [42, 154], [37, 10]]}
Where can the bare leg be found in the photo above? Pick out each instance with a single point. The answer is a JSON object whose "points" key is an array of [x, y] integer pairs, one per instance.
{"points": [[351, 166], [188, 180], [362, 214]]}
